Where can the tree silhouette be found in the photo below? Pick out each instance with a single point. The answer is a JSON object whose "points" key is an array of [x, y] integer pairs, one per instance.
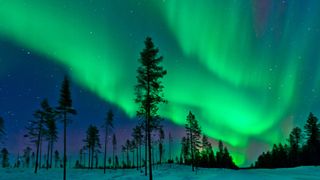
{"points": [[56, 158], [206, 151], [149, 90], [51, 131], [193, 132], [114, 149], [220, 155], [36, 130], [312, 148], [137, 136], [185, 149], [127, 149], [27, 156], [108, 124], [294, 151], [93, 142], [123, 150], [65, 108], [133, 146], [170, 139], [5, 158], [161, 147], [2, 131], [293, 155], [117, 161]]}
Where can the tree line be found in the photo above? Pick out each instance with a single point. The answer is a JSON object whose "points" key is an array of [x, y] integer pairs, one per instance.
{"points": [[302, 148], [196, 150]]}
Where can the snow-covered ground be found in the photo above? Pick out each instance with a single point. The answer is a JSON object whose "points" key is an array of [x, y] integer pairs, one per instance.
{"points": [[165, 173]]}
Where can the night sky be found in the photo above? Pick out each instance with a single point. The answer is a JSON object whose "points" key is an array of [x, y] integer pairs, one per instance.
{"points": [[249, 70]]}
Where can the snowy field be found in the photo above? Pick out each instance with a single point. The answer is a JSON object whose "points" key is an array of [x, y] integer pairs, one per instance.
{"points": [[165, 173]]}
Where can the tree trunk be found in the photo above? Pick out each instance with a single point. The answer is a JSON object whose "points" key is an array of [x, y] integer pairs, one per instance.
{"points": [[40, 155], [149, 150], [137, 157], [140, 154], [105, 151], [146, 150], [92, 153], [65, 146], [51, 150], [89, 157], [38, 146], [113, 156], [192, 149], [48, 153]]}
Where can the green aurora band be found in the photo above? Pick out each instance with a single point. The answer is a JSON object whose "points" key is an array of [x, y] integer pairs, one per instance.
{"points": [[236, 65]]}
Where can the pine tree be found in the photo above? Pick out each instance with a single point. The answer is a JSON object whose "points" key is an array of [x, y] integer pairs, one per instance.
{"points": [[223, 157], [93, 143], [193, 132], [56, 158], [219, 155], [161, 147], [96, 156], [149, 90], [2, 131], [132, 149], [311, 150], [294, 151], [170, 148], [108, 125], [36, 130], [33, 159], [48, 128], [117, 162], [127, 149], [114, 149], [206, 151], [185, 149], [5, 158], [26, 156], [65, 108], [52, 133], [227, 159], [81, 152], [138, 136]]}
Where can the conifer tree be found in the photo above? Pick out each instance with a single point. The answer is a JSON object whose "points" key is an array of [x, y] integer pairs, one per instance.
{"points": [[27, 156], [206, 151], [161, 147], [65, 108], [294, 151], [311, 150], [185, 149], [138, 136], [114, 149], [149, 91], [194, 134], [219, 155], [170, 148], [127, 149], [52, 134], [93, 143], [5, 158], [56, 158], [108, 125], [2, 131], [36, 130]]}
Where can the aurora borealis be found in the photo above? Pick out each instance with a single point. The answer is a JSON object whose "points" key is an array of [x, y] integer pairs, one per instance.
{"points": [[249, 70]]}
